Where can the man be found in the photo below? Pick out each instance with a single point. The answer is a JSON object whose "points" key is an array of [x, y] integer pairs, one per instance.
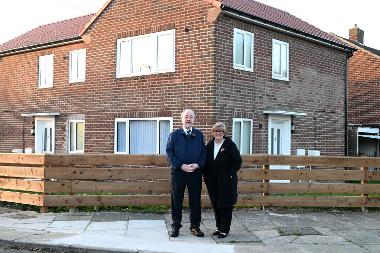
{"points": [[186, 153]]}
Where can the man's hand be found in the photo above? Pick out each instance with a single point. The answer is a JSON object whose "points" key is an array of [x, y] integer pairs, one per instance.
{"points": [[189, 167]]}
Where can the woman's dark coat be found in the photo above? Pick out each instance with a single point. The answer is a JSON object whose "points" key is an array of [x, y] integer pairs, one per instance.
{"points": [[220, 175]]}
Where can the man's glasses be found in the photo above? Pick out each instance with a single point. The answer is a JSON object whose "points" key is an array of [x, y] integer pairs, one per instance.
{"points": [[217, 131]]}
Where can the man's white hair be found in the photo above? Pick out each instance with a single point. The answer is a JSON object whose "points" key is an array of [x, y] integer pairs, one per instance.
{"points": [[183, 112]]}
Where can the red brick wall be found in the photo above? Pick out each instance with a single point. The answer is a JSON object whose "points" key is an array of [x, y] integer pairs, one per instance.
{"points": [[364, 89], [316, 87], [204, 80], [103, 97]]}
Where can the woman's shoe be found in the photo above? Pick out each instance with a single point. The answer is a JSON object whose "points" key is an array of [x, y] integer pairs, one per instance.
{"points": [[222, 235], [217, 232]]}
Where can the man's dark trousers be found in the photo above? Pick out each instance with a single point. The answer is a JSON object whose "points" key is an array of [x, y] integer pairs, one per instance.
{"points": [[193, 181]]}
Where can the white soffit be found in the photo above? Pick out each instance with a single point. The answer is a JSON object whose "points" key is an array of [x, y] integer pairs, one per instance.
{"points": [[40, 114], [283, 112]]}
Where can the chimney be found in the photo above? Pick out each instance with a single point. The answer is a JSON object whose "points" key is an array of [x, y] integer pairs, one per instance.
{"points": [[356, 34]]}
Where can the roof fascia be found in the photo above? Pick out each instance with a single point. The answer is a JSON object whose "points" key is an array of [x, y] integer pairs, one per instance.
{"points": [[356, 47], [41, 46]]}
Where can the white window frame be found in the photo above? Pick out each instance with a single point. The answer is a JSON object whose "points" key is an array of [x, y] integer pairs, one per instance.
{"points": [[275, 58], [129, 58], [76, 151], [74, 76], [45, 66], [128, 120], [239, 66], [241, 120]]}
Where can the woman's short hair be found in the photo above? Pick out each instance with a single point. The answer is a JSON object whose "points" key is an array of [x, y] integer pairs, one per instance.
{"points": [[219, 126]]}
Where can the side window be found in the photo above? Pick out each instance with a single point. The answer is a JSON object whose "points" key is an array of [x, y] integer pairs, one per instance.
{"points": [[242, 135], [142, 136], [46, 71], [77, 66], [243, 50], [146, 54], [76, 136], [280, 60]]}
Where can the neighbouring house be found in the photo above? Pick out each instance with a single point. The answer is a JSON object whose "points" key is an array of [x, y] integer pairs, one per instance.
{"points": [[117, 81], [363, 96]]}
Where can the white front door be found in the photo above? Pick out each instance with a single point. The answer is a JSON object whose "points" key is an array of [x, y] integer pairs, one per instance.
{"points": [[44, 138], [279, 138]]}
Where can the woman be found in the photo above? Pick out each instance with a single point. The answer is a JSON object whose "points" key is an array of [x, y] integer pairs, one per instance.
{"points": [[223, 161]]}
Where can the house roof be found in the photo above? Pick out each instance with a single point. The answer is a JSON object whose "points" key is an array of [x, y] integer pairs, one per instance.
{"points": [[278, 17], [45, 34], [370, 49], [71, 29]]}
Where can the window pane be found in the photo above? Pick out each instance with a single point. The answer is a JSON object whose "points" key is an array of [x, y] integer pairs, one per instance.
{"points": [[276, 59], [239, 49], [164, 135], [248, 51], [142, 136], [124, 57], [121, 137], [49, 70], [73, 66], [246, 141], [72, 136], [284, 60], [82, 66], [142, 54], [165, 52], [272, 141], [80, 136], [237, 133]]}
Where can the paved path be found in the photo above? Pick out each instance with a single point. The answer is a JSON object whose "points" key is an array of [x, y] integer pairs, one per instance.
{"points": [[253, 231]]}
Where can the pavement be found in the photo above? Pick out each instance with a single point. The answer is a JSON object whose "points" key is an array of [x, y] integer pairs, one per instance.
{"points": [[252, 231]]}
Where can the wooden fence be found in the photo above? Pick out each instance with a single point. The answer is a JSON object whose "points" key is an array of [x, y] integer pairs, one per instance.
{"points": [[143, 180]]}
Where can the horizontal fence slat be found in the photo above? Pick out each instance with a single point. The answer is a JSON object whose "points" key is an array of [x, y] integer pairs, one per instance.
{"points": [[106, 159], [147, 187], [27, 159], [322, 201], [373, 202], [115, 200], [331, 161], [21, 198], [106, 173], [318, 174], [373, 176], [328, 188], [22, 184], [21, 171]]}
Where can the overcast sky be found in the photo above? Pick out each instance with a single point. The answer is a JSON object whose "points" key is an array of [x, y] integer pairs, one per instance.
{"points": [[336, 16]]}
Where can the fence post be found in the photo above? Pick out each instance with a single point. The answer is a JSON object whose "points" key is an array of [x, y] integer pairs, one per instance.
{"points": [[363, 182], [265, 168]]}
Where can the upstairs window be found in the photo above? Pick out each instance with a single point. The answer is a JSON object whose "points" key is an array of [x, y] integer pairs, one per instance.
{"points": [[242, 135], [77, 72], [45, 79], [142, 136], [280, 60], [243, 50], [146, 54]]}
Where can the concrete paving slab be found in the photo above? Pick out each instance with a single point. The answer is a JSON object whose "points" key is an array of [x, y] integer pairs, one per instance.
{"points": [[107, 226], [321, 248], [77, 216], [110, 216], [360, 237], [320, 239]]}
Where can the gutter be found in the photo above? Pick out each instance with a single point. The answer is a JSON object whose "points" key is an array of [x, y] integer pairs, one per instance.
{"points": [[230, 12], [41, 46]]}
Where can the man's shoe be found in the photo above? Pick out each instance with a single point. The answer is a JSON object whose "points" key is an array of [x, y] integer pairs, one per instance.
{"points": [[217, 232], [222, 235], [197, 232], [175, 232]]}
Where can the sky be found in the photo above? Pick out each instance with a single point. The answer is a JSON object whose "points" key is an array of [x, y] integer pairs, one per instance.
{"points": [[335, 16]]}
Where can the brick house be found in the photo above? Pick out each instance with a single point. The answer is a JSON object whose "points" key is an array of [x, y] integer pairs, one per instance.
{"points": [[363, 96], [117, 81]]}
